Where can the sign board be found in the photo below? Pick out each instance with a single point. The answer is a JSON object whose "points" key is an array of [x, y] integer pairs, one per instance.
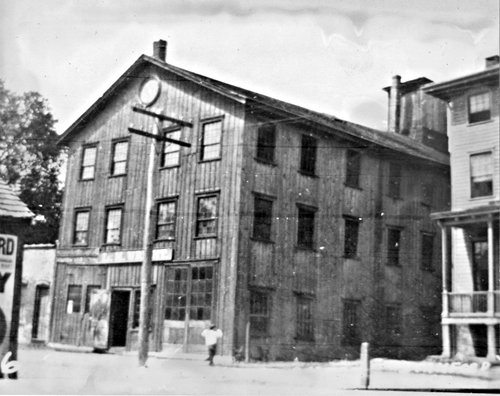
{"points": [[8, 254]]}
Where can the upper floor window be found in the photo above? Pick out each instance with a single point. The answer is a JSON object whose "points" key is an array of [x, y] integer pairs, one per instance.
{"points": [[206, 218], [266, 143], [308, 154], [119, 159], [81, 228], [393, 246], [481, 175], [89, 157], [171, 151], [350, 322], [165, 223], [113, 226], [395, 174], [305, 227], [351, 236], [427, 250], [263, 214], [259, 313], [211, 140], [353, 168], [479, 107], [304, 318]]}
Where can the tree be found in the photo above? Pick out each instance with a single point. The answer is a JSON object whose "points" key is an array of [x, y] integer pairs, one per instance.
{"points": [[30, 161]]}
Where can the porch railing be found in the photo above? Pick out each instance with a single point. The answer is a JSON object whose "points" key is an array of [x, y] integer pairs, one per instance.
{"points": [[474, 302]]}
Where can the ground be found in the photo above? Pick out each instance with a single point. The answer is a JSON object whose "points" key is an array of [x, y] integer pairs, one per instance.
{"points": [[46, 371]]}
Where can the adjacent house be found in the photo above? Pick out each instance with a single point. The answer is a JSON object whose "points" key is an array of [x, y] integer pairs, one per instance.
{"points": [[470, 230], [310, 232]]}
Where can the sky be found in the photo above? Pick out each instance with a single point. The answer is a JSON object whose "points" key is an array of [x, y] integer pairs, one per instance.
{"points": [[332, 56]]}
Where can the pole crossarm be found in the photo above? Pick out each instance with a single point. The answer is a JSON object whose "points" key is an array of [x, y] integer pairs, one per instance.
{"points": [[162, 117], [158, 137]]}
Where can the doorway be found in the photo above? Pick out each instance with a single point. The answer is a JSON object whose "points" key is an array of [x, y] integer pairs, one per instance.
{"points": [[118, 320], [40, 323]]}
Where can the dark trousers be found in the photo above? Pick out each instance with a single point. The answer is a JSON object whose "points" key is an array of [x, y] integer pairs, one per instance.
{"points": [[212, 350]]}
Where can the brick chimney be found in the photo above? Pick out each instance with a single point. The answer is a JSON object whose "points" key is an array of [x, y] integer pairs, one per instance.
{"points": [[394, 105], [492, 61], [160, 50]]}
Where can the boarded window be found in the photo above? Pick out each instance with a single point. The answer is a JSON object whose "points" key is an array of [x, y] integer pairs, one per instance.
{"points": [[165, 224], [81, 230], [395, 173], [119, 160], [350, 322], [211, 141], [427, 253], [206, 219], [263, 212], [305, 227], [479, 107], [266, 142], [308, 155], [259, 313], [481, 171], [351, 237], [393, 246], [171, 151], [304, 319], [74, 301], [89, 157], [113, 226], [353, 168]]}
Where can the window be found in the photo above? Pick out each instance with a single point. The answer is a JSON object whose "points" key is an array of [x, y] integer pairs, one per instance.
{"points": [[113, 226], [88, 296], [393, 246], [81, 230], [305, 227], [427, 251], [393, 320], [481, 175], [206, 218], [259, 313], [211, 141], [353, 168], [308, 155], [263, 212], [427, 193], [266, 143], [351, 236], [350, 323], [394, 180], [136, 312], [305, 326], [171, 151], [119, 160], [165, 223], [88, 163], [479, 107], [74, 298], [201, 293]]}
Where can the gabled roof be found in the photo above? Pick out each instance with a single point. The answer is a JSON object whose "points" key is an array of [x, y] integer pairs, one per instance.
{"points": [[364, 136], [11, 205]]}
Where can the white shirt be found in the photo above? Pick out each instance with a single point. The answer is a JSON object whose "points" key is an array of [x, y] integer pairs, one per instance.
{"points": [[211, 336]]}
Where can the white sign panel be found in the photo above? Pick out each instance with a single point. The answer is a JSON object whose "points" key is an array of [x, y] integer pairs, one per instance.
{"points": [[8, 252]]}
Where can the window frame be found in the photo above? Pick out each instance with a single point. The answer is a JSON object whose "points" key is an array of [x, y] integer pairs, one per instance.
{"points": [[76, 303], [427, 251], [215, 218], [203, 146], [75, 223], [484, 115], [305, 243], [475, 187], [262, 316], [351, 220], [394, 252], [351, 328], [113, 162], [108, 209], [308, 155], [88, 292], [165, 133], [266, 143], [83, 166], [174, 222], [353, 175], [268, 223], [304, 322]]}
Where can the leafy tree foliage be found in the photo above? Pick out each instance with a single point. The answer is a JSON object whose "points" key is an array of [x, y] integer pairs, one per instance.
{"points": [[30, 160]]}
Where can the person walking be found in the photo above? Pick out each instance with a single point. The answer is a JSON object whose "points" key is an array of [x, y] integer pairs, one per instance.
{"points": [[211, 336]]}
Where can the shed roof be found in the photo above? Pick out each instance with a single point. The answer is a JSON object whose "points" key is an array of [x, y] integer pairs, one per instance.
{"points": [[11, 205], [365, 136]]}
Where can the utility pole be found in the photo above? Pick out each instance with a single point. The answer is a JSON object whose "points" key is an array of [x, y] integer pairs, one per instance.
{"points": [[149, 228]]}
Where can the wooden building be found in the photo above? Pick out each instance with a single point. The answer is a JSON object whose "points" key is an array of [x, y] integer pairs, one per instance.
{"points": [[314, 230], [470, 230]]}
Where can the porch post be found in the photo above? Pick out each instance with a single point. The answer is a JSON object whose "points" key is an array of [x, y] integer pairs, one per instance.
{"points": [[491, 287], [444, 314]]}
